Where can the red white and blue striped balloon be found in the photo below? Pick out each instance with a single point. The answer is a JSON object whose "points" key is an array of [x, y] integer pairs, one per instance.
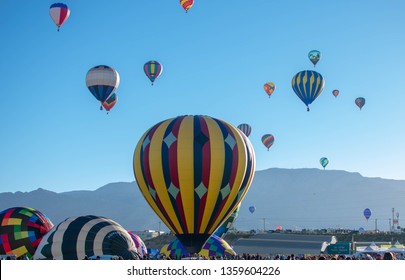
{"points": [[245, 128], [59, 13]]}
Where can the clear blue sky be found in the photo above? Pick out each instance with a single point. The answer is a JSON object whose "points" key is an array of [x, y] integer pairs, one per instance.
{"points": [[216, 59]]}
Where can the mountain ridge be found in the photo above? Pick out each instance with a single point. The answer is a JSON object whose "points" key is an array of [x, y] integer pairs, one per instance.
{"points": [[294, 198]]}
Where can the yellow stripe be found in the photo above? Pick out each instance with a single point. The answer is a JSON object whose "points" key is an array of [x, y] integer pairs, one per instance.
{"points": [[216, 170], [142, 182], [155, 163], [185, 161], [240, 174]]}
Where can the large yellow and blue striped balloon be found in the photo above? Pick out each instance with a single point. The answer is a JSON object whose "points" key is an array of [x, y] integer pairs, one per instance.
{"points": [[307, 85], [194, 171]]}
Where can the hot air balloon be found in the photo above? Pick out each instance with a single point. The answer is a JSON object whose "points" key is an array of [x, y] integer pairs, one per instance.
{"points": [[59, 13], [21, 231], [245, 128], [110, 102], [268, 140], [223, 229], [152, 69], [77, 237], [314, 56], [139, 244], [324, 162], [367, 213], [252, 209], [186, 4], [360, 101], [102, 81], [193, 171], [307, 85], [335, 92], [214, 247], [279, 228], [269, 88]]}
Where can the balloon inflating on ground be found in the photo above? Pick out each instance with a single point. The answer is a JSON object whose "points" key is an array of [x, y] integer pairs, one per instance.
{"points": [[194, 171]]}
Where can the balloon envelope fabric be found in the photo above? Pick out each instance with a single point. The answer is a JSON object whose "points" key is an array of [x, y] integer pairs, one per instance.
{"points": [[194, 171], [77, 237], [139, 244], [21, 231], [214, 247]]}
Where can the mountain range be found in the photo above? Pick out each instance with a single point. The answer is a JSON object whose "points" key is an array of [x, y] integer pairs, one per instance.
{"points": [[291, 198]]}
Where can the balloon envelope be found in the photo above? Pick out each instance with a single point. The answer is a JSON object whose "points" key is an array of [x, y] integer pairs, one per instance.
{"points": [[252, 209], [186, 4], [21, 231], [101, 81], [139, 244], [367, 213], [324, 162], [214, 247], [152, 69], [307, 85], [59, 13], [193, 171], [360, 101], [314, 56], [110, 102], [335, 92], [245, 128], [269, 88], [77, 237], [223, 229], [268, 140]]}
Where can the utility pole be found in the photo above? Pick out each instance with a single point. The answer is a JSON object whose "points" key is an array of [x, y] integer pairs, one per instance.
{"points": [[393, 210], [264, 224]]}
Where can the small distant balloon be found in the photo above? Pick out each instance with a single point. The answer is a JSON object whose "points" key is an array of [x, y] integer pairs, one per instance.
{"points": [[186, 4], [367, 213], [153, 70], [324, 162], [269, 88], [252, 209], [59, 13], [279, 228], [268, 140], [314, 56], [245, 128], [335, 92], [307, 85], [360, 101], [110, 102]]}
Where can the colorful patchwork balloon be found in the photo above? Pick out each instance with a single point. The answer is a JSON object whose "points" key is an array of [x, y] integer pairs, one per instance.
{"points": [[214, 247], [59, 13], [269, 88], [193, 171], [21, 231]]}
